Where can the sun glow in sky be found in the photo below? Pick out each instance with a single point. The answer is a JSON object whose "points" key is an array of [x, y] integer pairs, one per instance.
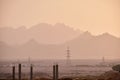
{"points": [[96, 16]]}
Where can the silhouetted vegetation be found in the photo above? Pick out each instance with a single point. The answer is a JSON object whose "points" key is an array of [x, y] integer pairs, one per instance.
{"points": [[110, 75], [116, 68]]}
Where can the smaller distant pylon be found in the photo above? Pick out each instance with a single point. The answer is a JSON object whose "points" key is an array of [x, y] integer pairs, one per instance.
{"points": [[68, 61]]}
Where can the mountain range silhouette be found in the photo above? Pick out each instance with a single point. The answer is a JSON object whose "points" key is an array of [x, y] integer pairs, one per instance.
{"points": [[43, 33], [45, 41]]}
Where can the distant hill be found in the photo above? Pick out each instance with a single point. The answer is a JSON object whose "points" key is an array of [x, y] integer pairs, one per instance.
{"points": [[83, 46], [43, 33], [88, 45]]}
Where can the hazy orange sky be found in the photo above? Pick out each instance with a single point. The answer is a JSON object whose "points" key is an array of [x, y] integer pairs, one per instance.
{"points": [[96, 16]]}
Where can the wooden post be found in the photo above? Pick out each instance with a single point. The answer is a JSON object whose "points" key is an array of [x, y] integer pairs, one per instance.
{"points": [[31, 72], [13, 72], [19, 69], [54, 72], [57, 72]]}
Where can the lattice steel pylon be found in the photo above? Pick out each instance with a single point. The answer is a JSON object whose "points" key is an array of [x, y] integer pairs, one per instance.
{"points": [[68, 61], [103, 59]]}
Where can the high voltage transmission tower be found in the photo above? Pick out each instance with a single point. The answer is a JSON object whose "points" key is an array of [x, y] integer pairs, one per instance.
{"points": [[68, 61]]}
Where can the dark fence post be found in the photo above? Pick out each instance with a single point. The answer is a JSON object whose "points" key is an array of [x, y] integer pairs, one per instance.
{"points": [[54, 72], [13, 72], [57, 72], [31, 72], [19, 69]]}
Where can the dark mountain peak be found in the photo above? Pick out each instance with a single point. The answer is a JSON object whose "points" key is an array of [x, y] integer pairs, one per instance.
{"points": [[41, 26], [64, 27], [85, 36], [107, 36], [87, 33]]}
